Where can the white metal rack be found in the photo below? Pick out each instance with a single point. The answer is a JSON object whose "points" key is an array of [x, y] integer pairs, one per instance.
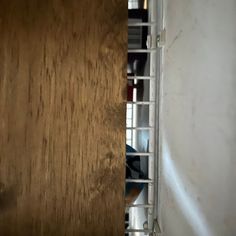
{"points": [[141, 23], [141, 77], [142, 103], [142, 50], [145, 154], [151, 153], [141, 205]]}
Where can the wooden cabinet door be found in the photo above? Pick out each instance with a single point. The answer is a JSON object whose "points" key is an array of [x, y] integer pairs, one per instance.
{"points": [[62, 117]]}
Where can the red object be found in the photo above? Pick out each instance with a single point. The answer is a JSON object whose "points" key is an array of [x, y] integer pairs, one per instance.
{"points": [[130, 90]]}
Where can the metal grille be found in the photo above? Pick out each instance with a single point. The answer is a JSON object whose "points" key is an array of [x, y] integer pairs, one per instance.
{"points": [[142, 136]]}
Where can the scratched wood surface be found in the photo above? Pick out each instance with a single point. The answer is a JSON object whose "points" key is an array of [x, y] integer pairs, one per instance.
{"points": [[62, 117]]}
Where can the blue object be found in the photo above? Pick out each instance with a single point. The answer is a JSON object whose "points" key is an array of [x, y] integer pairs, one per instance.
{"points": [[131, 168]]}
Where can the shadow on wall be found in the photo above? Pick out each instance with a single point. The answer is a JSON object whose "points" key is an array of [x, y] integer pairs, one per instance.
{"points": [[186, 203]]}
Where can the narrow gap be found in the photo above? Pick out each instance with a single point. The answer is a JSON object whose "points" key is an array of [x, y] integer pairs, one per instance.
{"points": [[141, 117]]}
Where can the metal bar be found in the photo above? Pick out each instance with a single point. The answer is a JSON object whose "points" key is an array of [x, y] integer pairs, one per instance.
{"points": [[142, 103], [152, 113], [140, 77], [139, 128], [141, 206], [147, 231], [141, 23], [139, 153], [139, 181], [142, 50], [159, 75]]}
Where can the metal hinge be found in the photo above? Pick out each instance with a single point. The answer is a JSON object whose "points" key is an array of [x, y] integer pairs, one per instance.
{"points": [[161, 38], [156, 41]]}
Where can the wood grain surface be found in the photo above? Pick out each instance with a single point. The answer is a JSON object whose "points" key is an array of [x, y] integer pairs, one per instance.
{"points": [[62, 117]]}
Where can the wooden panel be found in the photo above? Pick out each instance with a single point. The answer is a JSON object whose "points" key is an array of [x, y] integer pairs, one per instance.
{"points": [[62, 117]]}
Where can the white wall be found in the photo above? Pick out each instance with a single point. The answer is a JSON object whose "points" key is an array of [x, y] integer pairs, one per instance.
{"points": [[198, 119]]}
